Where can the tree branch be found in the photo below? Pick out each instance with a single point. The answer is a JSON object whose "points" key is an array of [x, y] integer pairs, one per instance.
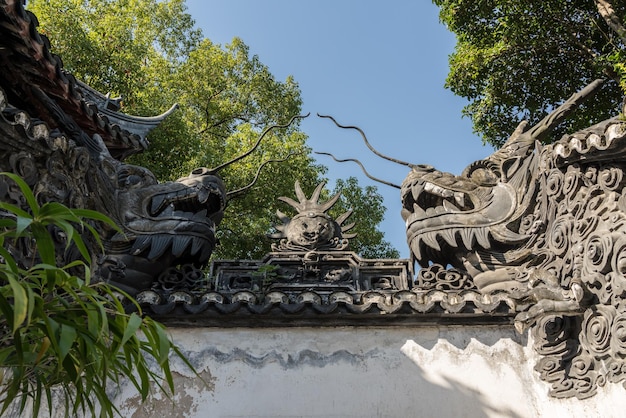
{"points": [[605, 8]]}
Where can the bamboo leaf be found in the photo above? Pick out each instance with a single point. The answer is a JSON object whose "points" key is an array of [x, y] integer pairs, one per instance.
{"points": [[10, 262], [22, 224], [80, 244], [134, 322], [28, 194], [66, 340], [20, 303], [96, 216], [45, 246], [54, 211], [45, 344]]}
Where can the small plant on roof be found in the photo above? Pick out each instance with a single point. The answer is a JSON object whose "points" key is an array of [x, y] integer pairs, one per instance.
{"points": [[312, 228]]}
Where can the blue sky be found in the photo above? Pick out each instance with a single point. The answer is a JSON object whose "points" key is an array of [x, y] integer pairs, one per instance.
{"points": [[378, 65]]}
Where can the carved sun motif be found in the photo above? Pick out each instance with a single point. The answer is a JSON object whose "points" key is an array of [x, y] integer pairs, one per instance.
{"points": [[312, 228]]}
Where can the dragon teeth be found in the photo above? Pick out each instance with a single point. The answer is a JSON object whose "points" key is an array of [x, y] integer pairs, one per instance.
{"points": [[438, 190], [200, 216], [168, 211], [196, 245], [459, 198], [141, 243], [431, 240], [203, 195], [449, 206], [467, 237], [180, 244], [448, 236], [159, 244], [157, 204], [418, 210], [416, 190], [416, 249], [483, 238]]}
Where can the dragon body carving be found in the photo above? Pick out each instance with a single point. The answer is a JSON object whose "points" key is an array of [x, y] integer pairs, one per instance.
{"points": [[547, 225], [68, 142]]}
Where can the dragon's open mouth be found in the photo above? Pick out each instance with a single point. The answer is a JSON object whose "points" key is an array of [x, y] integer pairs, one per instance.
{"points": [[179, 217], [194, 202], [445, 213]]}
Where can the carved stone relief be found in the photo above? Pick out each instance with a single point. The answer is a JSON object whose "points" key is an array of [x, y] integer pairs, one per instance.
{"points": [[312, 254], [68, 143], [545, 225]]}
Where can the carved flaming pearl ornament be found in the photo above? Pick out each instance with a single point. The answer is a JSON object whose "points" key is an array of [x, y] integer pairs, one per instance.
{"points": [[312, 228]]}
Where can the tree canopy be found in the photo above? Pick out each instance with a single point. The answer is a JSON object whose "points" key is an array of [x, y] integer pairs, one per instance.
{"points": [[150, 53], [367, 208], [517, 59]]}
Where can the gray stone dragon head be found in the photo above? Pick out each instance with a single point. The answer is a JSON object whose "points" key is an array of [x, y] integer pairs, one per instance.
{"points": [[545, 224], [68, 142]]}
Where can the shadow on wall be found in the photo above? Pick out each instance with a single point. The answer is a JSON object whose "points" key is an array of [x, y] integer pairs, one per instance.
{"points": [[429, 372]]}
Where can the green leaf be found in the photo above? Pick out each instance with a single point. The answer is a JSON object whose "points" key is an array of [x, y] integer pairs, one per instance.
{"points": [[55, 211], [96, 216], [67, 336], [28, 194], [45, 245], [134, 322], [20, 303], [22, 224], [8, 259]]}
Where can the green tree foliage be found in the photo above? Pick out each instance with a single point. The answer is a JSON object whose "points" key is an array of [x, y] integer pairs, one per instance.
{"points": [[150, 53], [367, 207], [65, 335], [516, 60]]}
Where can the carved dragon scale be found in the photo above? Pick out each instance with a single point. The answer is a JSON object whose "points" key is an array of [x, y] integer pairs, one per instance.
{"points": [[539, 228]]}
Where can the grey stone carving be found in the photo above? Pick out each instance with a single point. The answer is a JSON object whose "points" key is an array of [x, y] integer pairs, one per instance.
{"points": [[312, 228], [312, 254], [547, 226], [535, 232], [68, 142]]}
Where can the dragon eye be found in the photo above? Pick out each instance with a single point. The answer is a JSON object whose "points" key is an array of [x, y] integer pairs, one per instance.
{"points": [[131, 177], [484, 176], [483, 173]]}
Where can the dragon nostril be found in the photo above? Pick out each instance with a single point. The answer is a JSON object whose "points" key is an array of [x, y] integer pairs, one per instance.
{"points": [[202, 171], [423, 167]]}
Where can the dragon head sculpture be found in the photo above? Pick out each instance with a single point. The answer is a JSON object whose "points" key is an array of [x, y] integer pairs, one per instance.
{"points": [[164, 224], [479, 221], [541, 226], [545, 224], [68, 142]]}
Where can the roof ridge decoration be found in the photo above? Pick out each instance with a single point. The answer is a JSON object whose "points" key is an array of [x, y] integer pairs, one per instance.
{"points": [[535, 233], [312, 255], [312, 228], [29, 62]]}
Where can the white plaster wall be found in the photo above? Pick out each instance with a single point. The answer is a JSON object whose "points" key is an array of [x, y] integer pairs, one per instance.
{"points": [[436, 371]]}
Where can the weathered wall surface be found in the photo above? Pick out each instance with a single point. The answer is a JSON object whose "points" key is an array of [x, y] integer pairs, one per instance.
{"points": [[436, 371]]}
